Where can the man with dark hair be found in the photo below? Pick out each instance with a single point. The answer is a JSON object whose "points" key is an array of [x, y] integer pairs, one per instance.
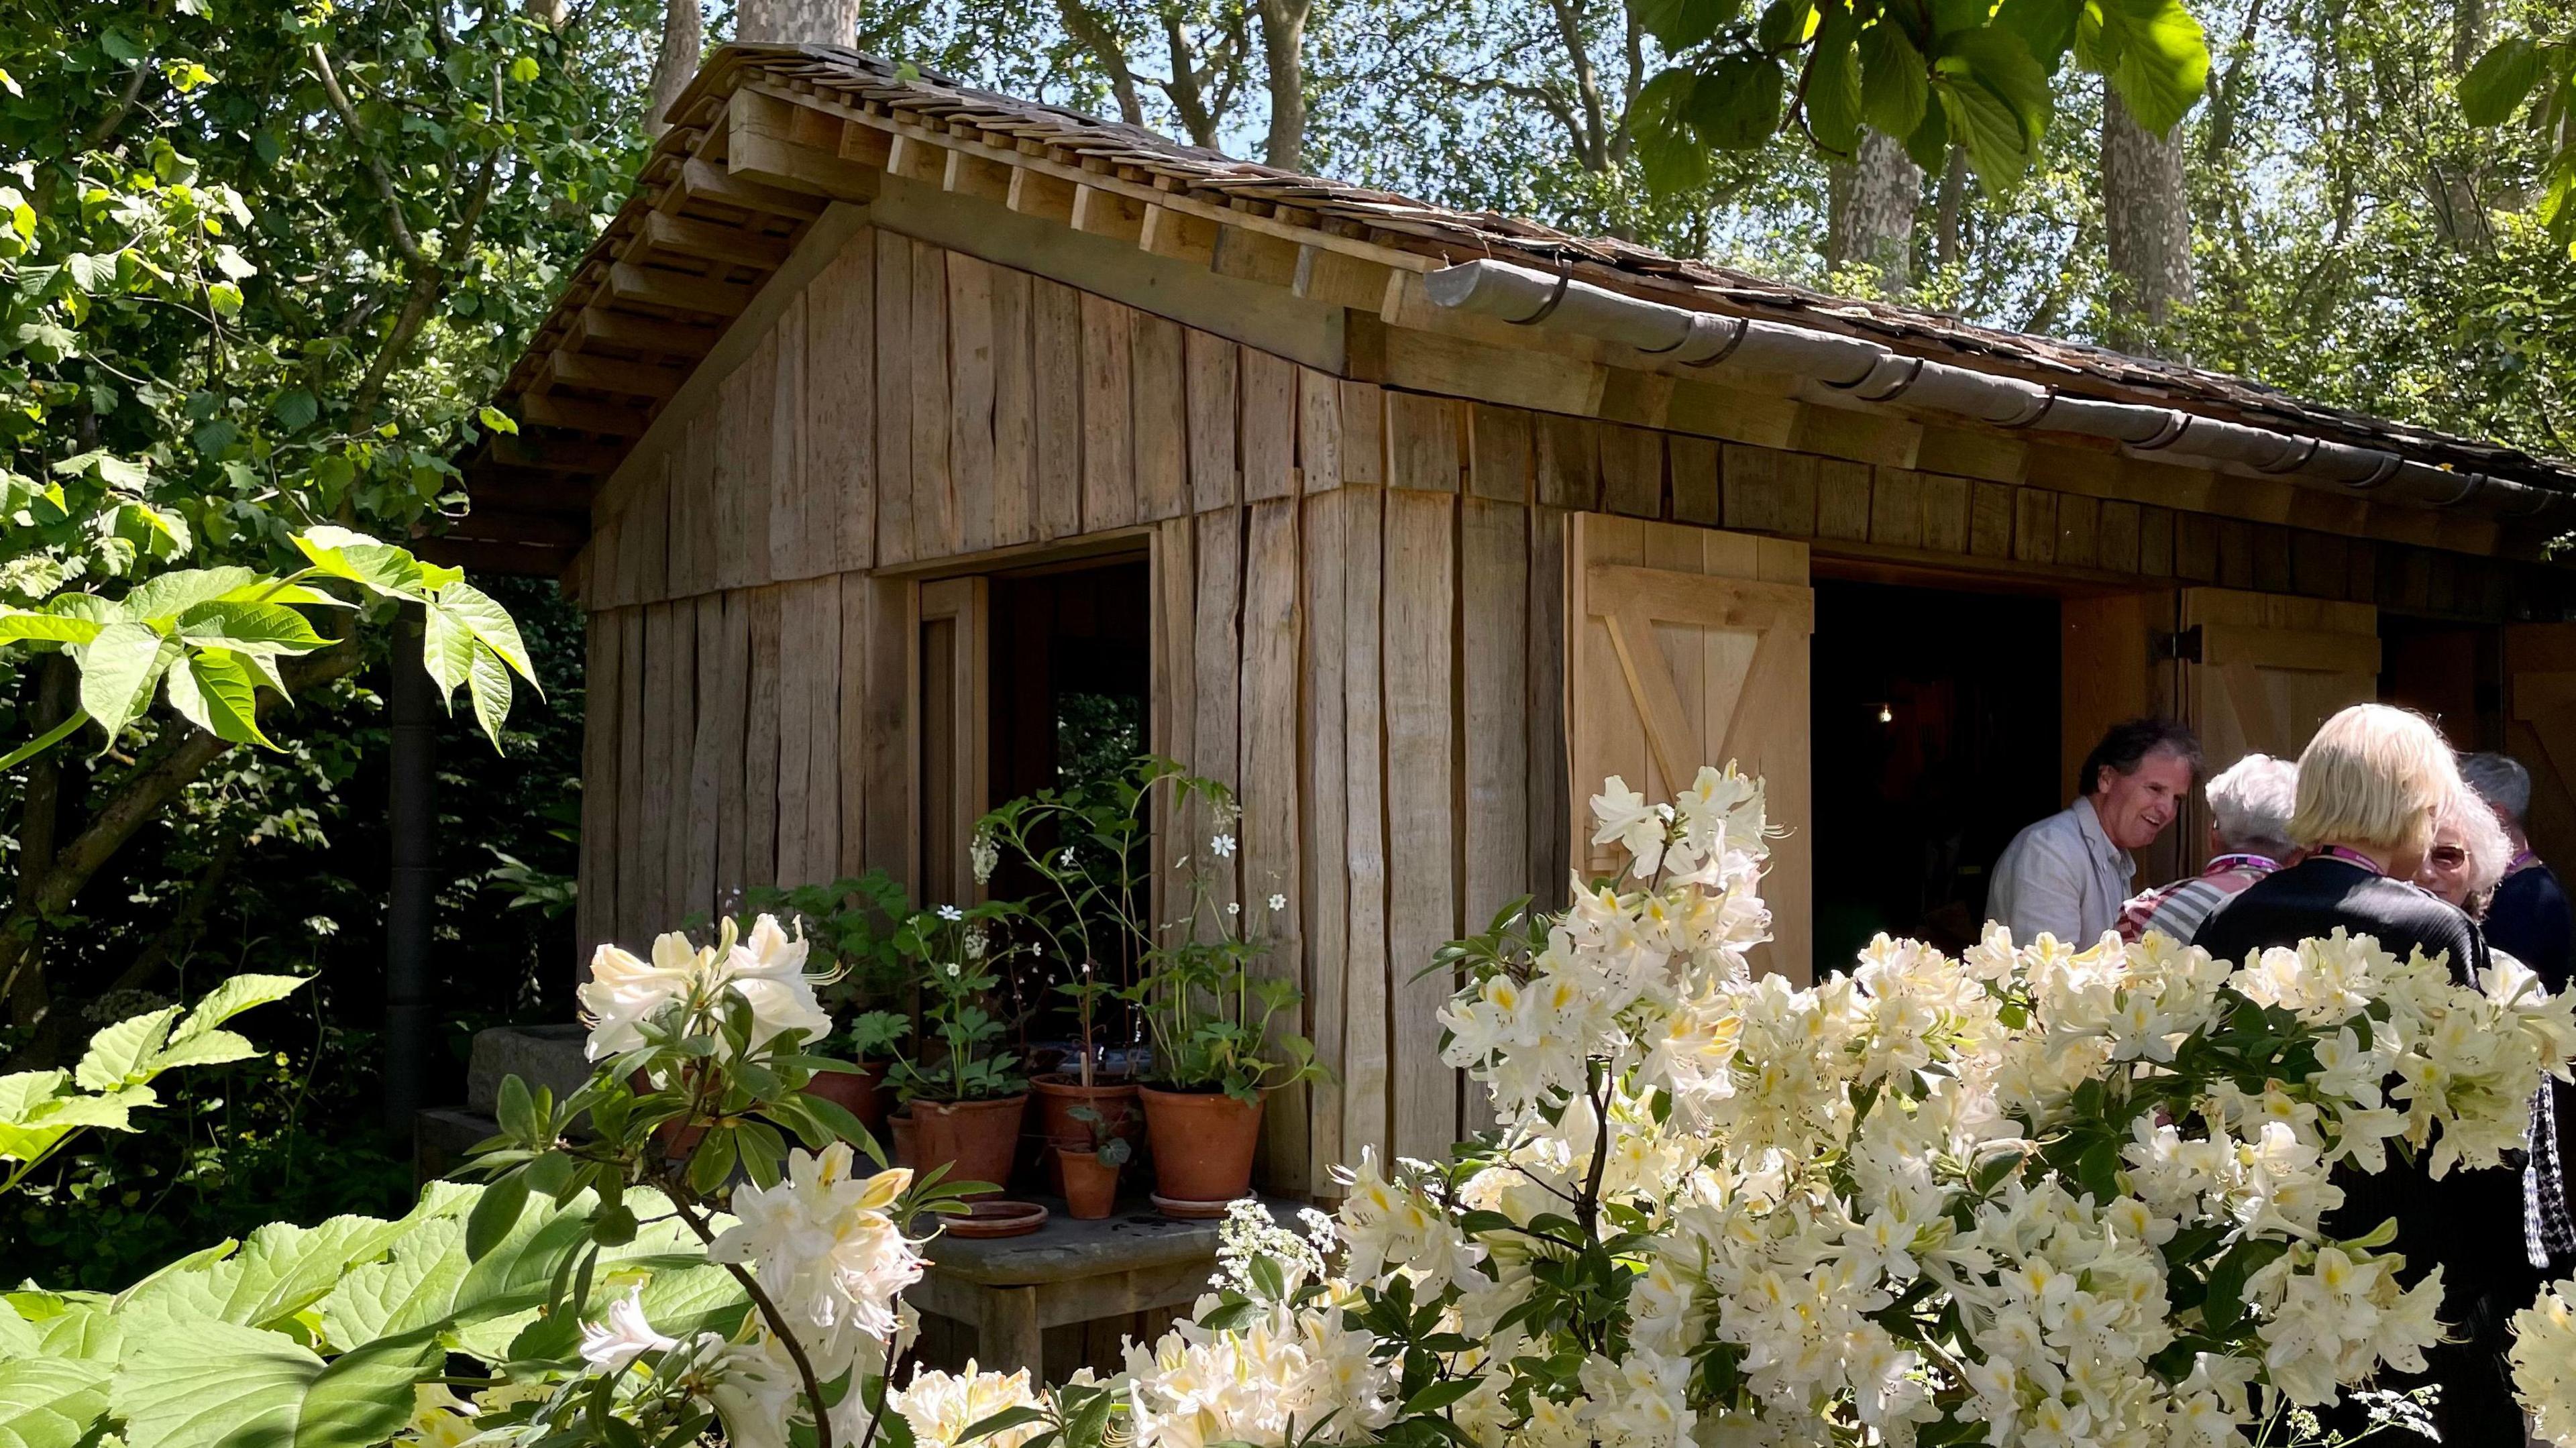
{"points": [[2067, 875]]}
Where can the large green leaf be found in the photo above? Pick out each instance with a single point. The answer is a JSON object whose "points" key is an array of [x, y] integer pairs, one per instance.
{"points": [[1834, 85], [2495, 86], [1680, 24], [1672, 157], [171, 594], [248, 628], [216, 691], [50, 1402], [1736, 104], [489, 683], [413, 1288], [1894, 88], [1995, 100], [123, 1052], [2154, 53], [212, 1385], [489, 623], [280, 1271], [340, 553], [118, 670], [446, 650], [18, 625], [236, 995]]}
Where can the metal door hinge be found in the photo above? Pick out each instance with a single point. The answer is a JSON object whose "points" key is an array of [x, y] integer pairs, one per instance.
{"points": [[2184, 646]]}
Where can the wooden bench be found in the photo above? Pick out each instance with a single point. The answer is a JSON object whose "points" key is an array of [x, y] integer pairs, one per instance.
{"points": [[1009, 1290]]}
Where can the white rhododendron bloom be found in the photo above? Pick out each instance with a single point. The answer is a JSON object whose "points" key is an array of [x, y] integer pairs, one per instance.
{"points": [[2544, 1363], [2037, 1195], [765, 969], [624, 1336], [822, 1245], [939, 1407]]}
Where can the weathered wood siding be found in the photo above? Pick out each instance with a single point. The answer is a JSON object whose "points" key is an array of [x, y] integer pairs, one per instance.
{"points": [[1359, 600]]}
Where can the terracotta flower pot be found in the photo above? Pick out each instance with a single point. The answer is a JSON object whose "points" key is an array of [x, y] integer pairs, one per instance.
{"points": [[1203, 1143], [1060, 1095], [860, 1093], [1090, 1184], [907, 1147], [975, 1140]]}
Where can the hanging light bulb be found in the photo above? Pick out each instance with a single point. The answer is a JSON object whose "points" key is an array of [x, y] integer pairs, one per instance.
{"points": [[1886, 714]]}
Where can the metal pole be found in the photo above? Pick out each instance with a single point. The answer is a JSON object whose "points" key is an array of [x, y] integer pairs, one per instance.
{"points": [[411, 828]]}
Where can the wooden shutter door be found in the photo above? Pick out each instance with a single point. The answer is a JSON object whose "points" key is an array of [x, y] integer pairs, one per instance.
{"points": [[2540, 730], [956, 715], [1689, 647], [2269, 670]]}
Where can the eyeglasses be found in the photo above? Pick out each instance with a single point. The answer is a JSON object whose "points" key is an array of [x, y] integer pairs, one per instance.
{"points": [[2448, 857]]}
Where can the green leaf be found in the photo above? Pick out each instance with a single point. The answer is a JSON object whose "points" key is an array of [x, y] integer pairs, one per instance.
{"points": [[489, 623], [280, 1271], [2497, 85], [496, 1216], [249, 628], [50, 1402], [294, 409], [1995, 101], [1680, 24], [1670, 155], [17, 625], [388, 570], [1834, 86], [1736, 104], [2224, 1306], [214, 1048], [490, 685], [175, 593], [365, 1396], [413, 1288], [123, 1053], [118, 670], [211, 1385], [495, 420], [218, 693], [236, 995], [2046, 27], [2154, 53], [1894, 86]]}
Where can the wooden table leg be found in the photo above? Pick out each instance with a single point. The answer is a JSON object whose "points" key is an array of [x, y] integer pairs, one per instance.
{"points": [[1007, 1338]]}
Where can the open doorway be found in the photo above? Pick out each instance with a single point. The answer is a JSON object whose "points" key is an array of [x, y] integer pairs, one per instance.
{"points": [[1071, 669], [1936, 740]]}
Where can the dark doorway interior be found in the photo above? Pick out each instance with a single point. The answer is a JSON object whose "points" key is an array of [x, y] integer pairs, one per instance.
{"points": [[1936, 740], [1071, 651]]}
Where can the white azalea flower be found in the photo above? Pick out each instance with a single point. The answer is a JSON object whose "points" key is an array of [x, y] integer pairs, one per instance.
{"points": [[625, 1336]]}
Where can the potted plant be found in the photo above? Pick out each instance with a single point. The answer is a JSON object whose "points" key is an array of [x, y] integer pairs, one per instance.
{"points": [[1086, 848], [961, 1089], [1092, 1164], [1219, 1042], [849, 927]]}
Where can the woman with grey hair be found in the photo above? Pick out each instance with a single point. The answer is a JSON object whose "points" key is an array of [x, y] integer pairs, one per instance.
{"points": [[2249, 824], [2469, 856]]}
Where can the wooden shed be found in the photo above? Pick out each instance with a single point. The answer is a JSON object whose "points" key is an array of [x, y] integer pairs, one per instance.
{"points": [[890, 415]]}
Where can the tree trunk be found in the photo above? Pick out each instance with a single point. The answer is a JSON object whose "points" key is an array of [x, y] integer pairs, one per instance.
{"points": [[2146, 221], [2469, 26], [684, 39], [798, 22], [1949, 236], [1870, 214], [1283, 48]]}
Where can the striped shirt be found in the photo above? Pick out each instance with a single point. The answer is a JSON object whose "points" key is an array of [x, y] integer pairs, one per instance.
{"points": [[2179, 909]]}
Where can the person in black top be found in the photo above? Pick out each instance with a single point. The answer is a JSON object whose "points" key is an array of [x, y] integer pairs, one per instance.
{"points": [[2529, 918], [2371, 785]]}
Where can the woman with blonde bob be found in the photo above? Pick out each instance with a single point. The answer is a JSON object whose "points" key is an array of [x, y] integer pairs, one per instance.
{"points": [[2373, 787]]}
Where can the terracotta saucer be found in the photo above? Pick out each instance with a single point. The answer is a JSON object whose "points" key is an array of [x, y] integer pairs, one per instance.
{"points": [[995, 1217], [1188, 1211]]}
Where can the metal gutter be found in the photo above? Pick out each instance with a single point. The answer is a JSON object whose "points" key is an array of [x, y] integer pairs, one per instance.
{"points": [[1873, 372]]}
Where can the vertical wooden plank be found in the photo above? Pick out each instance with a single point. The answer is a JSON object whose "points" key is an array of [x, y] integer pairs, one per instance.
{"points": [[595, 904], [2079, 531], [1769, 491], [635, 884], [934, 499], [822, 600], [1162, 420], [2156, 541], [693, 560], [1366, 1078], [840, 406], [972, 387], [717, 697], [1842, 499], [1569, 462], [1175, 701], [2272, 558], [1319, 429], [790, 550], [1363, 433], [1498, 453], [1632, 471], [734, 652], [796, 679], [648, 536], [1212, 365], [1108, 458], [1896, 508], [2118, 533], [756, 397], [1324, 865], [1550, 804], [894, 367], [761, 744], [851, 729], [893, 654], [1273, 824], [1694, 466], [1493, 664], [1216, 624], [1422, 887], [2035, 526], [1422, 447], [1990, 520], [669, 677], [1945, 513], [1269, 426], [1056, 342], [1014, 411], [2235, 553]]}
